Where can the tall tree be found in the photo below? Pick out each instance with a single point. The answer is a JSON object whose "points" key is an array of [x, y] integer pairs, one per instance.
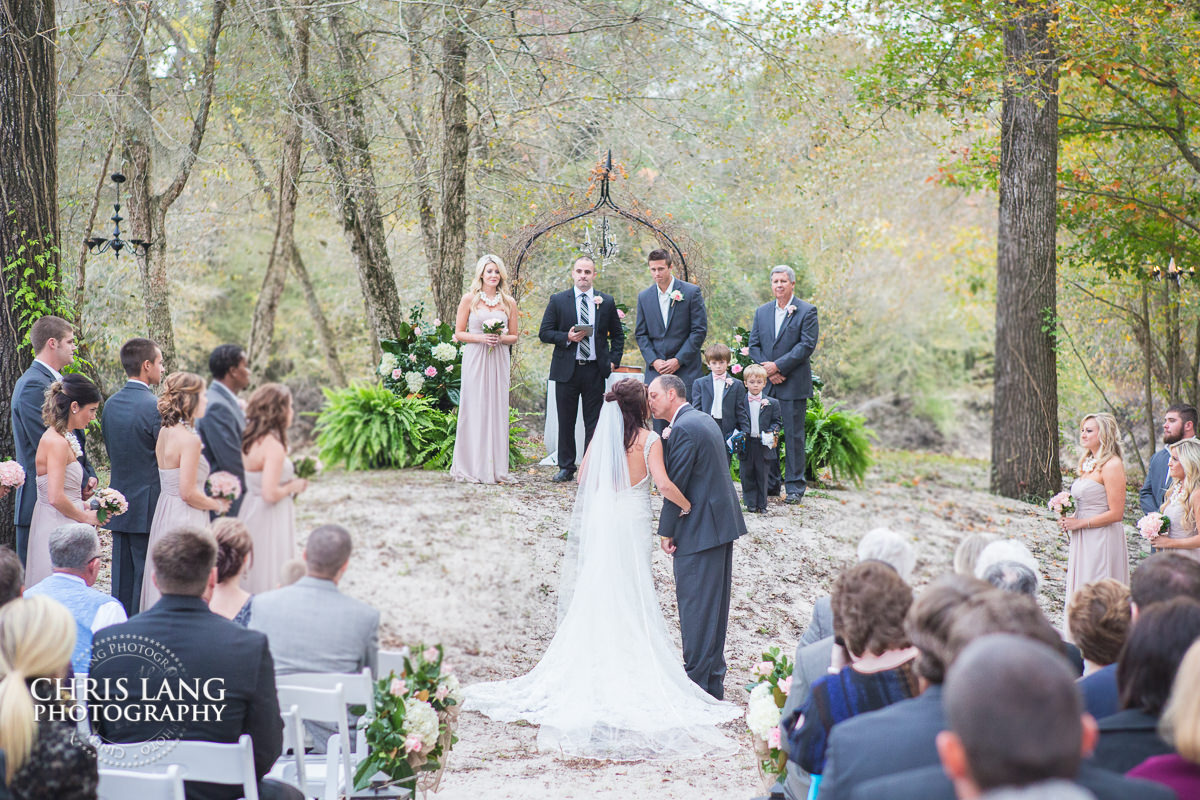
{"points": [[28, 194]]}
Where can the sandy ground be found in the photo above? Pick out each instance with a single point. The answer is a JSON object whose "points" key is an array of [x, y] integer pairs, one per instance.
{"points": [[475, 568]]}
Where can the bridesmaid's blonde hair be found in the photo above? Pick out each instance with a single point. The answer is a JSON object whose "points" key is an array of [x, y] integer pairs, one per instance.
{"points": [[1187, 453], [37, 637], [501, 288], [1110, 438]]}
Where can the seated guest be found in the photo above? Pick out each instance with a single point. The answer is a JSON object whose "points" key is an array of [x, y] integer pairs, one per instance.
{"points": [[12, 576], [212, 648], [1159, 578], [1018, 578], [75, 557], [878, 544], [968, 550], [45, 756], [1099, 620], [313, 627], [1005, 551], [870, 602], [1145, 672], [1179, 727], [235, 549]]}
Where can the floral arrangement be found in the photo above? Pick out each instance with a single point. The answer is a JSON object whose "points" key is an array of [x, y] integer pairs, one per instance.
{"points": [[1062, 504], [225, 485], [767, 696], [494, 327], [108, 503], [1154, 524], [423, 360], [11, 474], [411, 730], [307, 467], [740, 346]]}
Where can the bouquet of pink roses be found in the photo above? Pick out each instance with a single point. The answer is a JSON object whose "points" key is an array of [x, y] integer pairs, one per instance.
{"points": [[108, 503], [224, 485], [495, 327], [11, 474], [1154, 524], [308, 467], [1062, 504]]}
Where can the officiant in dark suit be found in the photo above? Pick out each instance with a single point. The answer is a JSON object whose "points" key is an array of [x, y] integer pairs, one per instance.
{"points": [[583, 326], [53, 341], [221, 427], [782, 339], [130, 425], [671, 325]]}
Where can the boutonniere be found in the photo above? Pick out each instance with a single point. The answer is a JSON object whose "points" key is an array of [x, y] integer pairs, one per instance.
{"points": [[597, 299], [666, 432], [790, 310], [676, 296], [728, 381]]}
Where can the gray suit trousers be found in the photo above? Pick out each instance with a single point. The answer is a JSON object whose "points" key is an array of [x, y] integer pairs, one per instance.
{"points": [[703, 582]]}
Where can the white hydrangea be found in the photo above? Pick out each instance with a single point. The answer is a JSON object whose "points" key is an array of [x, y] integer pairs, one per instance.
{"points": [[388, 363], [761, 713], [421, 720], [451, 683], [415, 381], [444, 351]]}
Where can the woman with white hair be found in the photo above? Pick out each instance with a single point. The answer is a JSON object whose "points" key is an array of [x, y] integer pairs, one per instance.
{"points": [[486, 324], [1097, 534]]}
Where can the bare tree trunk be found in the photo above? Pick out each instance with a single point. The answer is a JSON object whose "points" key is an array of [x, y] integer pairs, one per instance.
{"points": [[1025, 423], [28, 194], [1147, 357], [448, 276]]}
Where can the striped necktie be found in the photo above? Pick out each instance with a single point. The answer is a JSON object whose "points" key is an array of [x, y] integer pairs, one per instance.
{"points": [[585, 318]]}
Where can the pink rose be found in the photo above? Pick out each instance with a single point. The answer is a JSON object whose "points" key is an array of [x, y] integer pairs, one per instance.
{"points": [[441, 693], [738, 338], [397, 687], [785, 685], [437, 321], [417, 331], [412, 357], [676, 296], [430, 371], [597, 299], [737, 369], [412, 743], [773, 738], [666, 432], [430, 654], [397, 374], [728, 382], [745, 351], [790, 310], [764, 668], [620, 314]]}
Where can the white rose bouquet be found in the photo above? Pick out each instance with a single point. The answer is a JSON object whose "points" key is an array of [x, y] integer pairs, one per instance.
{"points": [[767, 696]]}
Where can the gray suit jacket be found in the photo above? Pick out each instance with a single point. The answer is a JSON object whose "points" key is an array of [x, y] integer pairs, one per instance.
{"points": [[130, 425], [682, 337], [220, 432], [29, 395], [695, 459], [931, 783], [791, 350], [1154, 490], [821, 624], [312, 627]]}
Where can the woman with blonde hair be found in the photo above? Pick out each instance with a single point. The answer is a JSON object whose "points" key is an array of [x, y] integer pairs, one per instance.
{"points": [[235, 553], [70, 406], [271, 483], [1182, 501], [45, 755], [481, 442], [1097, 534], [1179, 726], [182, 468]]}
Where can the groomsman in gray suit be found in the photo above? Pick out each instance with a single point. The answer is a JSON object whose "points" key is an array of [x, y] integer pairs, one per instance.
{"points": [[671, 325], [130, 424], [1179, 423], [782, 339], [701, 541], [221, 427]]}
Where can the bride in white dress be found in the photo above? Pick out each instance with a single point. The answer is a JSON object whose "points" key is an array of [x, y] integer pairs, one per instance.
{"points": [[611, 684]]}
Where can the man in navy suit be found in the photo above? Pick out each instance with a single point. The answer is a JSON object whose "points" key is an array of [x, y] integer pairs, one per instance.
{"points": [[782, 339], [1178, 423], [53, 341], [582, 360], [221, 427], [671, 325], [130, 424]]}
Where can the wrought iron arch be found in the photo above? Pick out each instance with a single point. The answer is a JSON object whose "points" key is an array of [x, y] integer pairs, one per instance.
{"points": [[685, 250]]}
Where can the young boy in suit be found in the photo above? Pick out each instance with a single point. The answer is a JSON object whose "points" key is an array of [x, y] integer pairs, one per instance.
{"points": [[721, 397], [765, 420]]}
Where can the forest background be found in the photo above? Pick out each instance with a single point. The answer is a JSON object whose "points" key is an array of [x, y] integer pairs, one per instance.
{"points": [[308, 172]]}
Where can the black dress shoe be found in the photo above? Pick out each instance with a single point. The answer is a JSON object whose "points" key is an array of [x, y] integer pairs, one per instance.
{"points": [[795, 499], [563, 475]]}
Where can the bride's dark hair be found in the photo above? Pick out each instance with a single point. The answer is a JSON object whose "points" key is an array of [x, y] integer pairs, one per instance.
{"points": [[630, 396]]}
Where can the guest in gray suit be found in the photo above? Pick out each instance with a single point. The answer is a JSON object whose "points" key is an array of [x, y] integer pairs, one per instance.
{"points": [[221, 428], [702, 540], [130, 424], [53, 342], [1179, 423], [671, 325], [310, 625], [782, 339]]}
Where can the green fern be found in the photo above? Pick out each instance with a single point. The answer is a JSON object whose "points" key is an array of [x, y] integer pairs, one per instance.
{"points": [[837, 441]]}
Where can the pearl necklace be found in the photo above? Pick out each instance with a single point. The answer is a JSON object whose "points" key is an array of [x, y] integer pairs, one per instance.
{"points": [[490, 302], [1178, 494], [1087, 465], [73, 440]]}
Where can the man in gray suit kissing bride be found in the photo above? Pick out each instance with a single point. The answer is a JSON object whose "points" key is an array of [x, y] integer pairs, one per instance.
{"points": [[702, 540]]}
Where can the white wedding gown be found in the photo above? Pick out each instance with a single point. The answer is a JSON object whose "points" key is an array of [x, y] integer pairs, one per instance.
{"points": [[611, 684]]}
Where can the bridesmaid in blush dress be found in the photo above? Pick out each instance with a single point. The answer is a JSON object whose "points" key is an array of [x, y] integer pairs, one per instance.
{"points": [[271, 483], [182, 469], [70, 405], [1182, 501], [1097, 533], [481, 441]]}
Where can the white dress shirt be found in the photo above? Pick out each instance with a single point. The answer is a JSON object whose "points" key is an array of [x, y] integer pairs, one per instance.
{"points": [[756, 405], [781, 314], [57, 375], [676, 414], [592, 305], [664, 300], [718, 395]]}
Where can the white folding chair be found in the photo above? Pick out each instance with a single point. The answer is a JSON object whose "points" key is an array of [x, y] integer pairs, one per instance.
{"points": [[391, 661], [119, 784], [212, 762], [359, 689], [290, 769], [336, 776]]}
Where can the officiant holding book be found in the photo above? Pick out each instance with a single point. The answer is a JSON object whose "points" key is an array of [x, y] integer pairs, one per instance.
{"points": [[583, 326]]}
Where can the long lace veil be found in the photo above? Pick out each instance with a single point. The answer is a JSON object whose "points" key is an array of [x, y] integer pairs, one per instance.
{"points": [[603, 478]]}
